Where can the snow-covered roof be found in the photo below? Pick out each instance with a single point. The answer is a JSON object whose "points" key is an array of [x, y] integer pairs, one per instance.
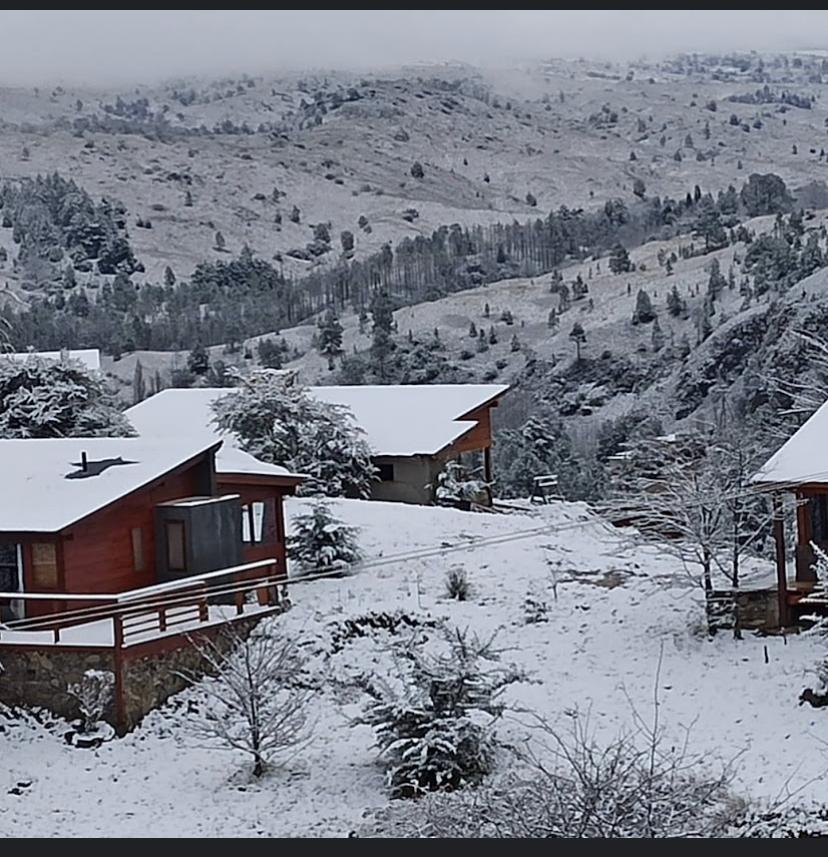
{"points": [[411, 419], [404, 420], [44, 491], [186, 413], [803, 458], [90, 357], [232, 460]]}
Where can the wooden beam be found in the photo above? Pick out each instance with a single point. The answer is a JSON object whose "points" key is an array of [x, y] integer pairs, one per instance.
{"points": [[781, 567]]}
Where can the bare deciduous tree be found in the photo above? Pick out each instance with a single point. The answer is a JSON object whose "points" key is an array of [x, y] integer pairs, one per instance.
{"points": [[693, 496], [251, 702]]}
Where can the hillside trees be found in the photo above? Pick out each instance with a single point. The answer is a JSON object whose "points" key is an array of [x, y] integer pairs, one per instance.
{"points": [[247, 296]]}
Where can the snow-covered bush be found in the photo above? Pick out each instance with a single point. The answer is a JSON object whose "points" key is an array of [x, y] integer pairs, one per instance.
{"points": [[250, 703], [435, 730], [43, 398], [574, 786], [93, 693], [321, 542], [456, 487], [278, 421], [457, 583]]}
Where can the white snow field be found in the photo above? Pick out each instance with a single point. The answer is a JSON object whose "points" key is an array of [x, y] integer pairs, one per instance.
{"points": [[614, 609]]}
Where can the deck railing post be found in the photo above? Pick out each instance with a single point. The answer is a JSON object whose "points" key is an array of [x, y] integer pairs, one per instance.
{"points": [[781, 564], [118, 663]]}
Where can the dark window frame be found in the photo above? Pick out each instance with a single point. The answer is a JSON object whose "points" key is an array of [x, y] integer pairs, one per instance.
{"points": [[386, 472], [248, 513]]}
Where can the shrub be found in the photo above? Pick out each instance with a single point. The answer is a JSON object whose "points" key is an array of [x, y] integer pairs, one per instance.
{"points": [[457, 583]]}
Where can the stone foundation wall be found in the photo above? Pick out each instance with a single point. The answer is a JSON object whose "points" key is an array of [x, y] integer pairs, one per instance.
{"points": [[758, 608], [151, 679], [39, 677]]}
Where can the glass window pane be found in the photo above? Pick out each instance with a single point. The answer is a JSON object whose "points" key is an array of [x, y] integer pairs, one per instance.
{"points": [[245, 514], [258, 521]]}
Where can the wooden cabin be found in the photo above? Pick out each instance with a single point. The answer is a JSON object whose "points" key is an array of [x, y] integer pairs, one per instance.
{"points": [[412, 429], [799, 469], [108, 515]]}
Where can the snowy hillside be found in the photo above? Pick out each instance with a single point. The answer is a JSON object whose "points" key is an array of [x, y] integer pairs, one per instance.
{"points": [[614, 608]]}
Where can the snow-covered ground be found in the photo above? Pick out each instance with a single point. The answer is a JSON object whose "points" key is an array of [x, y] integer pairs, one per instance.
{"points": [[614, 610]]}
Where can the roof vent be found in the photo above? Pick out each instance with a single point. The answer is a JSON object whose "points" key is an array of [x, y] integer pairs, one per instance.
{"points": [[94, 468]]}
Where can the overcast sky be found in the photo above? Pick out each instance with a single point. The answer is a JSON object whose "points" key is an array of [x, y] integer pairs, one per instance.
{"points": [[124, 46]]}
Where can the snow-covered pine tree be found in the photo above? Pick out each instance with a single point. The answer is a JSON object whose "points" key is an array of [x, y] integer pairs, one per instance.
{"points": [[277, 421], [435, 728], [43, 398], [321, 542]]}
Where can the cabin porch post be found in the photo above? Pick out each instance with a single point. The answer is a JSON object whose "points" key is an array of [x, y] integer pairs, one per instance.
{"points": [[781, 567]]}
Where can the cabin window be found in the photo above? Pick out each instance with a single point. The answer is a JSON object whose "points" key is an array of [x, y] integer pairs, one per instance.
{"points": [[819, 518], [253, 516], [386, 472], [176, 554], [138, 563], [44, 566], [9, 577]]}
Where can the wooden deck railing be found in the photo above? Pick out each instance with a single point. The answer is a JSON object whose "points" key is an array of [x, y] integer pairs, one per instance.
{"points": [[157, 609]]}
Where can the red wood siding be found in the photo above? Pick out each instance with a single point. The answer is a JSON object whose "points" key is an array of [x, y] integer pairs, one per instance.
{"points": [[97, 553], [257, 493], [480, 437]]}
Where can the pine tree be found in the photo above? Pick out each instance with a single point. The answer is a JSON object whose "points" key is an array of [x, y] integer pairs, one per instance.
{"points": [[486, 311], [44, 398], [139, 387], [578, 336], [482, 345], [563, 298], [382, 343], [472, 330], [492, 336], [330, 335], [279, 422], [716, 281], [552, 319], [220, 243], [676, 305], [169, 277], [198, 361], [644, 312], [515, 344], [619, 261], [657, 336], [320, 542]]}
